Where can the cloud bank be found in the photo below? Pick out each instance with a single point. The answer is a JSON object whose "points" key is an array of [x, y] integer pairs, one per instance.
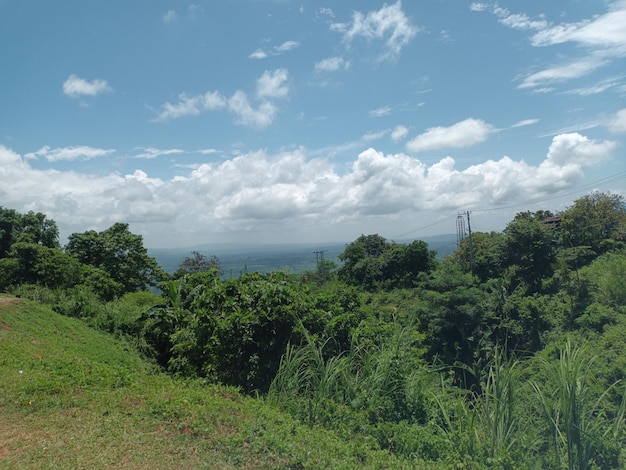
{"points": [[275, 193]]}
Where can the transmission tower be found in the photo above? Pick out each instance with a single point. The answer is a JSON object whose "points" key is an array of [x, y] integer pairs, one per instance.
{"points": [[460, 229], [460, 234], [321, 266]]}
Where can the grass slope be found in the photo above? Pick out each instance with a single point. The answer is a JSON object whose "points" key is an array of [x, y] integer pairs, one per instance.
{"points": [[72, 397]]}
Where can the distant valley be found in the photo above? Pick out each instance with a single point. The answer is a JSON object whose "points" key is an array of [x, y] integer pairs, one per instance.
{"points": [[292, 257]]}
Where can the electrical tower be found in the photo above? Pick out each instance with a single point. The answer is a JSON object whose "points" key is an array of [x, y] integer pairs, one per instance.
{"points": [[321, 265], [460, 234], [460, 229]]}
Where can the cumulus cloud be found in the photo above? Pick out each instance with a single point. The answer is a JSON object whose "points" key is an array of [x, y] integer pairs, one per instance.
{"points": [[75, 86], [399, 133], [462, 134], [249, 116], [389, 24], [191, 105], [273, 84], [270, 86], [79, 152], [262, 192], [617, 124]]}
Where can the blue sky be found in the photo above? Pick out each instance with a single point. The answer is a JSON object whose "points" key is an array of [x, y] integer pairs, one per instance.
{"points": [[305, 121]]}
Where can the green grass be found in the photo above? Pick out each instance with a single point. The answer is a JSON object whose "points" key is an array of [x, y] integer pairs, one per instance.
{"points": [[73, 397]]}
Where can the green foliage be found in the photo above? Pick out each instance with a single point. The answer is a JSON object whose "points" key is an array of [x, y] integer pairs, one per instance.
{"points": [[582, 435], [594, 221], [529, 251], [120, 254], [443, 365], [487, 249], [32, 228], [371, 262], [197, 263], [453, 316]]}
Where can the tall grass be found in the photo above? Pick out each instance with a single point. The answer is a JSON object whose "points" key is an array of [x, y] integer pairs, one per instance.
{"points": [[582, 433]]}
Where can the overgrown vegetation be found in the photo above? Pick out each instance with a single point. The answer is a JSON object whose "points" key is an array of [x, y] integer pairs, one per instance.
{"points": [[508, 354]]}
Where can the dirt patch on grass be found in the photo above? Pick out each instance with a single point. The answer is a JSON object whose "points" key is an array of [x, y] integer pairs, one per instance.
{"points": [[4, 301]]}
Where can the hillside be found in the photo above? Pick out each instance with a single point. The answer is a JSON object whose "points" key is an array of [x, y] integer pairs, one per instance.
{"points": [[72, 397]]}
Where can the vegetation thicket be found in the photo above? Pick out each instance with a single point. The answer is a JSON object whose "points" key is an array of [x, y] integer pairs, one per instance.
{"points": [[508, 354]]}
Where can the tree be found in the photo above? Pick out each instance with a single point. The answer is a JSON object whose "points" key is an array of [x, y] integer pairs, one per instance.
{"points": [[371, 261], [596, 220], [487, 251], [27, 228], [197, 263], [529, 250], [120, 254]]}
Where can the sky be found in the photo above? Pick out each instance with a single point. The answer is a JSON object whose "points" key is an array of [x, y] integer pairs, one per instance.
{"points": [[284, 121]]}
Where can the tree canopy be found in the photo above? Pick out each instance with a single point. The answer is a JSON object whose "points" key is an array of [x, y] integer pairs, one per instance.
{"points": [[119, 253]]}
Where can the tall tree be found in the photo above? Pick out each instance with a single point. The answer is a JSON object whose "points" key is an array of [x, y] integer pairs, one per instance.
{"points": [[596, 220], [529, 250], [119, 253], [26, 228]]}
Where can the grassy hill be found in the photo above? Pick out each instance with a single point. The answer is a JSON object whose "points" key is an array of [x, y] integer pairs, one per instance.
{"points": [[72, 397]]}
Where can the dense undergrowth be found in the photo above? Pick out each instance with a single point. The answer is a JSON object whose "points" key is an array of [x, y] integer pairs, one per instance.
{"points": [[507, 354]]}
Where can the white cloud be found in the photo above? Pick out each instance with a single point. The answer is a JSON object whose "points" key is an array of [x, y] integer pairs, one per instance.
{"points": [[374, 135], [399, 133], [273, 84], [618, 123], [380, 112], [75, 86], [603, 40], [477, 6], [597, 87], [247, 115], [578, 150], [561, 73], [191, 105], [605, 31], [194, 11], [276, 50], [388, 24], [518, 20], [287, 46], [325, 12], [258, 54], [79, 152], [525, 122], [151, 152], [331, 64], [170, 17], [259, 193], [462, 134]]}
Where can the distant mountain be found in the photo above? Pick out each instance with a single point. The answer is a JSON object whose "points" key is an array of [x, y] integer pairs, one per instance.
{"points": [[239, 258]]}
